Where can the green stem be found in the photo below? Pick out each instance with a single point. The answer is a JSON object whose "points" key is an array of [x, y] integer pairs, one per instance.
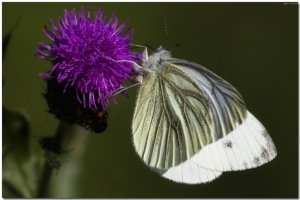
{"points": [[44, 181], [69, 136]]}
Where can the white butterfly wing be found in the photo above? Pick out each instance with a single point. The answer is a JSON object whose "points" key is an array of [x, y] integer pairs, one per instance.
{"points": [[190, 172], [191, 125], [248, 146]]}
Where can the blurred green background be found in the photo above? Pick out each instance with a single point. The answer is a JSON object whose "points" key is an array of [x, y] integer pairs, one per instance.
{"points": [[254, 46]]}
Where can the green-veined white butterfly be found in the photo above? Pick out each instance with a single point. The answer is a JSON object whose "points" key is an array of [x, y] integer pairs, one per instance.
{"points": [[190, 125]]}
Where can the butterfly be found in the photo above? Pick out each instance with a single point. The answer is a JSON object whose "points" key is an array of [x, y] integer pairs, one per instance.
{"points": [[190, 125]]}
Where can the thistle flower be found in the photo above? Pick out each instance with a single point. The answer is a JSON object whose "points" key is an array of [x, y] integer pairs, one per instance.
{"points": [[84, 52]]}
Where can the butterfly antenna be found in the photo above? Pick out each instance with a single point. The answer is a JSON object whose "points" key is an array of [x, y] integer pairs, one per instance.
{"points": [[150, 47], [166, 32]]}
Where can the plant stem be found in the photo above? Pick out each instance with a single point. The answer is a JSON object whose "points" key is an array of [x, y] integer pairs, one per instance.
{"points": [[44, 181], [68, 136]]}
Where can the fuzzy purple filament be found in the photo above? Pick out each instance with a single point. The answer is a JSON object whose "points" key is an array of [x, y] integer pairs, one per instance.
{"points": [[84, 52]]}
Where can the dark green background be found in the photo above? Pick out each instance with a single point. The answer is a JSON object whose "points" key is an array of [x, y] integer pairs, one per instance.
{"points": [[254, 46]]}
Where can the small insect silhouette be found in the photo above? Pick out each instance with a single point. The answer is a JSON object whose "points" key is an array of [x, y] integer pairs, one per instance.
{"points": [[53, 152]]}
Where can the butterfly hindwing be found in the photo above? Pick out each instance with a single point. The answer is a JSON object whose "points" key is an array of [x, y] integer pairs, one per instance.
{"points": [[244, 143], [226, 103]]}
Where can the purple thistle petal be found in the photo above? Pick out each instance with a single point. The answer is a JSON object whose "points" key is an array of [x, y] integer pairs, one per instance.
{"points": [[43, 46], [84, 52]]}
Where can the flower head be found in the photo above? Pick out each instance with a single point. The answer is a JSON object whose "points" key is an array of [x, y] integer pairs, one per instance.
{"points": [[84, 52]]}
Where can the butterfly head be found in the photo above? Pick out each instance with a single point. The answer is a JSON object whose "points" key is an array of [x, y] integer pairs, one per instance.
{"points": [[154, 61]]}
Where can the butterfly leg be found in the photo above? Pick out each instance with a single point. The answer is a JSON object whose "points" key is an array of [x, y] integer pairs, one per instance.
{"points": [[136, 66], [118, 91], [145, 52], [145, 55]]}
